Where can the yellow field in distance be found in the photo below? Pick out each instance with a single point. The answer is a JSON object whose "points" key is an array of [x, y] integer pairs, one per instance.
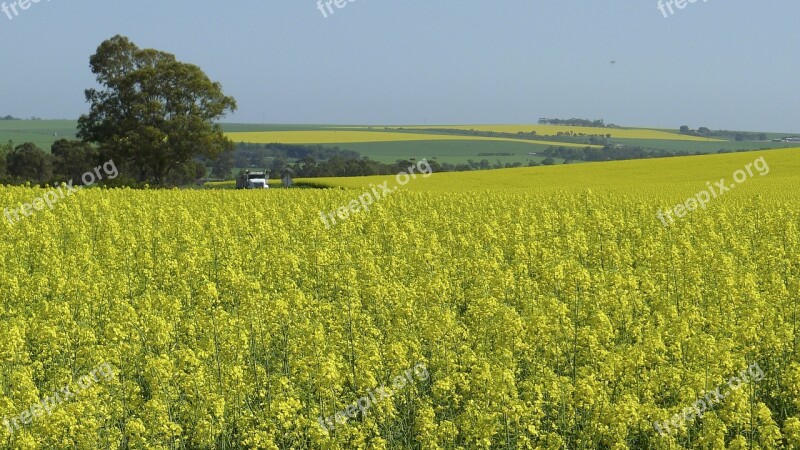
{"points": [[652, 178], [350, 136], [629, 133]]}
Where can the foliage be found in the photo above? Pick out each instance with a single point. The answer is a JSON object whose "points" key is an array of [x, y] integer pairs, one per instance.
{"points": [[223, 164], [573, 122], [153, 112], [29, 162], [71, 159], [5, 149], [186, 173]]}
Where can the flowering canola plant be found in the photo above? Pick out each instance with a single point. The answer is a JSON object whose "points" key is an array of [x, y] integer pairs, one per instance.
{"points": [[545, 317]]}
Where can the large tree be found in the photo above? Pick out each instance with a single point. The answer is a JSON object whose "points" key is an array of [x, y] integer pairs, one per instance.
{"points": [[153, 113]]}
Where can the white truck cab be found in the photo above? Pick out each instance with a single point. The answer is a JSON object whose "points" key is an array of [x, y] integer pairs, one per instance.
{"points": [[252, 180]]}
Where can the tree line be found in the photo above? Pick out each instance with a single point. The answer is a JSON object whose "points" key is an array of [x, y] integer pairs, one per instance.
{"points": [[608, 152], [70, 159], [339, 167], [262, 155], [560, 136], [615, 152], [574, 122], [738, 136]]}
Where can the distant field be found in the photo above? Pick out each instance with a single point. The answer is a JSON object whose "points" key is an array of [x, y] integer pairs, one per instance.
{"points": [[632, 133], [453, 152], [684, 175], [632, 177], [712, 146], [41, 132], [349, 136], [251, 127]]}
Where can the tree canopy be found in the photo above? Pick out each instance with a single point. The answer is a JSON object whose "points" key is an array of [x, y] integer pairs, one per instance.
{"points": [[29, 162], [153, 113]]}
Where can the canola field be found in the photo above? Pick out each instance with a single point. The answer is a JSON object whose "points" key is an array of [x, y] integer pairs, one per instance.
{"points": [[538, 308], [349, 136], [550, 130], [667, 177]]}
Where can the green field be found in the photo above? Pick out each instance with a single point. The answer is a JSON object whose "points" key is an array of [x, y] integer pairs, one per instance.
{"points": [[41, 132], [453, 152], [703, 147]]}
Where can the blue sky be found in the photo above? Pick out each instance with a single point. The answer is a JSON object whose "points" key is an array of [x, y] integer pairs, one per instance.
{"points": [[729, 64]]}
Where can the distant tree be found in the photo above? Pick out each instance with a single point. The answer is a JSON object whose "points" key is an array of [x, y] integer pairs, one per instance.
{"points": [[704, 131], [27, 162], [222, 166], [306, 167], [548, 162], [435, 165], [684, 129], [153, 113], [739, 137], [762, 137], [71, 159], [5, 149], [186, 173], [278, 166]]}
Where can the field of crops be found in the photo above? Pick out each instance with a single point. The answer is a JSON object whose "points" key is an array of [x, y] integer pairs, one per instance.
{"points": [[41, 132], [664, 178], [542, 307], [551, 130], [350, 136]]}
